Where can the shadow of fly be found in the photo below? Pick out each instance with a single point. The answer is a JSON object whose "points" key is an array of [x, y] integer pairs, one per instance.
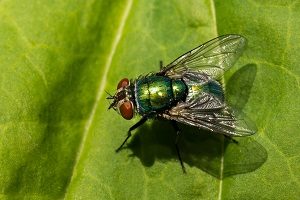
{"points": [[188, 91]]}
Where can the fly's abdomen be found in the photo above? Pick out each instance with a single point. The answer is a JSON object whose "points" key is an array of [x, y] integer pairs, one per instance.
{"points": [[154, 93], [214, 88], [179, 89]]}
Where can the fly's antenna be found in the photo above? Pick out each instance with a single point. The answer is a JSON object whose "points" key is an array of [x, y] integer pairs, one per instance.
{"points": [[112, 105], [109, 95]]}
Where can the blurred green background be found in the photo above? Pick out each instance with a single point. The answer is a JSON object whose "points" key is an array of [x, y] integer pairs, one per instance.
{"points": [[57, 139]]}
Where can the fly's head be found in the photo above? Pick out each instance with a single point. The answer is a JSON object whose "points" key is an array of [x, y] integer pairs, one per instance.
{"points": [[122, 100]]}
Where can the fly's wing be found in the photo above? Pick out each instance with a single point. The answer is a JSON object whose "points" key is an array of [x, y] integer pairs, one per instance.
{"points": [[205, 107], [212, 58], [221, 121]]}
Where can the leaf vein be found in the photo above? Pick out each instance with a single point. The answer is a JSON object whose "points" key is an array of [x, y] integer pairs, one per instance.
{"points": [[102, 84]]}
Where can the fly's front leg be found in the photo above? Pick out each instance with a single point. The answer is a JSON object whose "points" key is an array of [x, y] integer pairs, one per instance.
{"points": [[139, 123], [175, 126]]}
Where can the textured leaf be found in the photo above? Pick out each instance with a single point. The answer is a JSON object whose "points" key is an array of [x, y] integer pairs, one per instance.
{"points": [[57, 139]]}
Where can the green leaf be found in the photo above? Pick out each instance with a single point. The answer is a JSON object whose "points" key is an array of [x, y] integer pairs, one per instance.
{"points": [[57, 139]]}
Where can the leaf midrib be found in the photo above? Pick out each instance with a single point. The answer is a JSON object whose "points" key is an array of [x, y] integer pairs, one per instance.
{"points": [[101, 86]]}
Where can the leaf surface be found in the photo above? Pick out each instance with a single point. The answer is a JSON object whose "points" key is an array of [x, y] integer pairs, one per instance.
{"points": [[57, 139]]}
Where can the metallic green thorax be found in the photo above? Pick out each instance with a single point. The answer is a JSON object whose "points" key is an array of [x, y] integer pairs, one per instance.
{"points": [[156, 93]]}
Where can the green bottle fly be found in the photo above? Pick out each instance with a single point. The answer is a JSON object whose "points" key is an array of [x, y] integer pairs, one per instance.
{"points": [[187, 91]]}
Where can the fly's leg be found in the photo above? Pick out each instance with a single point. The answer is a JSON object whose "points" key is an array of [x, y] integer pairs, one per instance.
{"points": [[161, 65], [175, 126], [139, 123], [231, 139]]}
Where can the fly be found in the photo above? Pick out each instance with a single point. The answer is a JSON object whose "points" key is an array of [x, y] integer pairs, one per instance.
{"points": [[186, 91]]}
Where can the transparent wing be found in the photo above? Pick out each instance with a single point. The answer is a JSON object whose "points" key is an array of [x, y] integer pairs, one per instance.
{"points": [[212, 58], [221, 121]]}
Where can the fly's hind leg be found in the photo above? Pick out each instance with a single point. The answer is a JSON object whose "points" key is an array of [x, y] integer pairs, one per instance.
{"points": [[175, 126], [138, 124], [231, 139]]}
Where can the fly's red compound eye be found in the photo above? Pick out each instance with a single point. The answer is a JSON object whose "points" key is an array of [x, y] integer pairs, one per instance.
{"points": [[123, 83], [126, 110]]}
